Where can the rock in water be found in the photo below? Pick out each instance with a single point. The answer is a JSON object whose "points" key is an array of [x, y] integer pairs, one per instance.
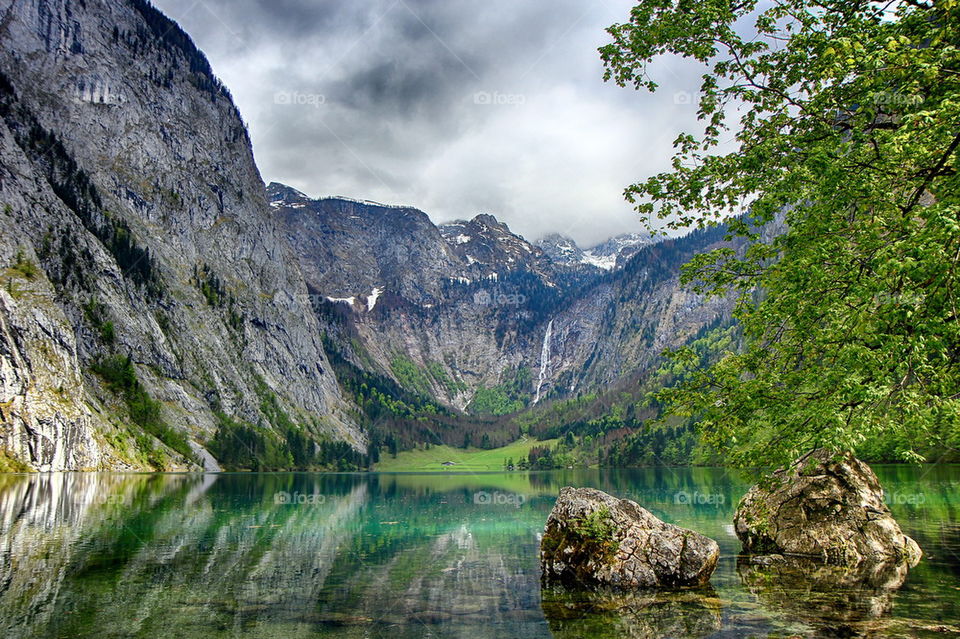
{"points": [[594, 538], [629, 614], [838, 600], [826, 507]]}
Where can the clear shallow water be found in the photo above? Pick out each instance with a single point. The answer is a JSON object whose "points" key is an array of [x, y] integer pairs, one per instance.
{"points": [[307, 555]]}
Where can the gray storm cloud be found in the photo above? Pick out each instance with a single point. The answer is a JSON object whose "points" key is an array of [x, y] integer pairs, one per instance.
{"points": [[454, 107]]}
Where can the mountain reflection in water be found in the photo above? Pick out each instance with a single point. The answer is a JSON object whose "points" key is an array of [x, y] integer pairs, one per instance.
{"points": [[368, 555]]}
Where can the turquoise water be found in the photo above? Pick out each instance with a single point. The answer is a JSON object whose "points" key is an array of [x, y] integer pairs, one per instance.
{"points": [[379, 555]]}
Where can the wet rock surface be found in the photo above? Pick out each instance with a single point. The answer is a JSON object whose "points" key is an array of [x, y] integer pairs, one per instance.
{"points": [[826, 508], [832, 600], [617, 613], [594, 538]]}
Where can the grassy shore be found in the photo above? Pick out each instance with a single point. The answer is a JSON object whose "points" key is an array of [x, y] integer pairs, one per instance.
{"points": [[463, 460]]}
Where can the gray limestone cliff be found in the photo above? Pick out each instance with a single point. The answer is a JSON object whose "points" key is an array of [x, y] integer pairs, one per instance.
{"points": [[134, 225]]}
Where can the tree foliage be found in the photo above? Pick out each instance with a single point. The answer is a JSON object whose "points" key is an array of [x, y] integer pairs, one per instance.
{"points": [[120, 376], [846, 122]]}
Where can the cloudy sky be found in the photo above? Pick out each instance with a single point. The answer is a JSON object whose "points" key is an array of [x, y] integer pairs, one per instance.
{"points": [[451, 106]]}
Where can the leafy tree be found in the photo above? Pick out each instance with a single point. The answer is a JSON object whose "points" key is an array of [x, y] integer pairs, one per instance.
{"points": [[846, 122]]}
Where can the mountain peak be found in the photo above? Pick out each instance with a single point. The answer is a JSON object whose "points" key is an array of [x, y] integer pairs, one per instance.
{"points": [[279, 194], [486, 219], [560, 248]]}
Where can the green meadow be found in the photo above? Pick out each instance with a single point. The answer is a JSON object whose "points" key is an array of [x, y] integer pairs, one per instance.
{"points": [[462, 460]]}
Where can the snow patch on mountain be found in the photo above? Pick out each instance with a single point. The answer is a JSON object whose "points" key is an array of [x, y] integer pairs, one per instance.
{"points": [[606, 262], [607, 255], [373, 297]]}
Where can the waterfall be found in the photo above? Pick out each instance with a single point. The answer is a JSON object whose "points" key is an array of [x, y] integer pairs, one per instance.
{"points": [[544, 359]]}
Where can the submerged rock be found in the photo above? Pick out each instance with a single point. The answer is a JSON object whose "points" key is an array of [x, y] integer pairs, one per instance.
{"points": [[594, 538], [645, 614], [823, 507], [835, 600]]}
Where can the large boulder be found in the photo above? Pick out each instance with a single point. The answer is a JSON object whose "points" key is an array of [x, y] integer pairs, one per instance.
{"points": [[823, 506], [592, 538]]}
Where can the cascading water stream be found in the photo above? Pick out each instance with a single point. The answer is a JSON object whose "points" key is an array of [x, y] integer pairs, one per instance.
{"points": [[544, 359]]}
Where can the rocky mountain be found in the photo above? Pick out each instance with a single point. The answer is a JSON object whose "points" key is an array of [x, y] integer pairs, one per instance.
{"points": [[160, 308], [398, 293], [618, 326], [608, 255], [615, 252], [561, 249], [490, 244], [469, 310], [348, 248], [149, 300]]}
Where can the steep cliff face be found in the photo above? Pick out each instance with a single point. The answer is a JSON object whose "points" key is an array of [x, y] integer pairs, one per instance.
{"points": [[136, 237], [398, 294], [618, 326], [348, 248], [474, 307]]}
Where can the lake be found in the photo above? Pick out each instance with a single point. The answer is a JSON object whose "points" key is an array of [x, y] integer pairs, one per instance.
{"points": [[291, 555]]}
